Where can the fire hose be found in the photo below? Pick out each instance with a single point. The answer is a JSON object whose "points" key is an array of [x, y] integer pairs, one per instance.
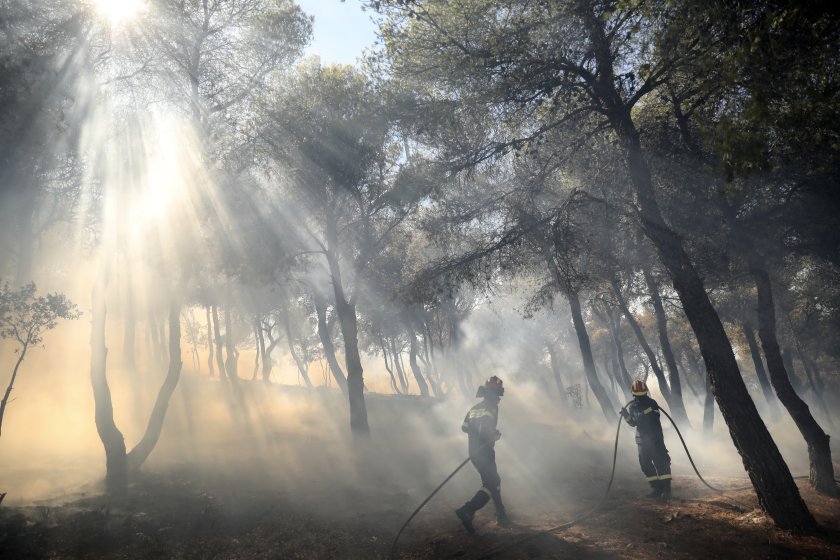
{"points": [[492, 552]]}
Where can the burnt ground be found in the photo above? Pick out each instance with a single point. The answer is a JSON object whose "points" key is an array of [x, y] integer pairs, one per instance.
{"points": [[297, 488], [176, 515]]}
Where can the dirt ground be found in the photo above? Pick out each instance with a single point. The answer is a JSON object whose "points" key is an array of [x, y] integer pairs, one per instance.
{"points": [[299, 488], [174, 515]]}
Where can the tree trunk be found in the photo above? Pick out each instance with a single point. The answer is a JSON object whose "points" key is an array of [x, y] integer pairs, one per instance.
{"points": [[760, 373], [677, 403], [651, 355], [607, 407], [220, 362], [260, 341], [5, 401], [412, 361], [209, 344], [555, 369], [144, 448], [267, 364], [388, 368], [819, 451], [398, 365], [775, 488], [327, 342], [349, 330], [303, 368], [709, 409], [231, 365], [116, 466]]}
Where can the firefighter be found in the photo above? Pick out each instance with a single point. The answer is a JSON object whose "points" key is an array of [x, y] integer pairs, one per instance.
{"points": [[643, 414], [480, 425]]}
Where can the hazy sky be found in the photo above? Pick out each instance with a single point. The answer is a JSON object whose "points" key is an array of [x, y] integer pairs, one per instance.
{"points": [[341, 29]]}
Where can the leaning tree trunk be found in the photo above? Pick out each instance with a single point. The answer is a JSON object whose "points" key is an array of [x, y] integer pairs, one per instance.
{"points": [[21, 355], [709, 409], [651, 355], [299, 362], [775, 488], [819, 451], [388, 368], [677, 402], [601, 396], [607, 406], [398, 365], [760, 373], [327, 342], [144, 448], [116, 466], [555, 370]]}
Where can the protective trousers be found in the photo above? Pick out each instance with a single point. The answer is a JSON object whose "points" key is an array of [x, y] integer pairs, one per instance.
{"points": [[491, 483], [655, 461]]}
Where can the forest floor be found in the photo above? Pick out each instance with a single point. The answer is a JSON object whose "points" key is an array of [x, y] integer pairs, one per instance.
{"points": [[288, 483], [174, 515]]}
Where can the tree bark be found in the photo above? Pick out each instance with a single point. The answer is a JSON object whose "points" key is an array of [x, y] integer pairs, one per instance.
{"points": [[412, 362], [260, 342], [708, 409], [821, 474], [302, 367], [267, 364], [327, 342], [677, 403], [555, 369], [209, 343], [760, 373], [398, 365], [144, 448], [775, 488], [231, 363], [388, 368], [607, 407], [116, 466], [349, 330], [7, 394], [220, 362], [651, 355]]}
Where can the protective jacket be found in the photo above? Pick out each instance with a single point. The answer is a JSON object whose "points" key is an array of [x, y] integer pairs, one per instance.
{"points": [[480, 425], [643, 414]]}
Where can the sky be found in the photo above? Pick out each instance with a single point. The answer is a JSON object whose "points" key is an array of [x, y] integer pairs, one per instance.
{"points": [[342, 30]]}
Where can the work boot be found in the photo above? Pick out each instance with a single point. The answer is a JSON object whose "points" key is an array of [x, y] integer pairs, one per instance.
{"points": [[665, 494], [466, 518], [502, 519], [655, 489]]}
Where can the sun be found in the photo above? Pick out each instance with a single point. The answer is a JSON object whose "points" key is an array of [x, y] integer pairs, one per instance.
{"points": [[119, 11]]}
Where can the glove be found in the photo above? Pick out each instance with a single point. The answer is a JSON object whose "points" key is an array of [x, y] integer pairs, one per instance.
{"points": [[498, 435], [624, 414]]}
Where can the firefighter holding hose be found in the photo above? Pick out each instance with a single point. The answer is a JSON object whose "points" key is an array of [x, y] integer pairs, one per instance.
{"points": [[480, 426], [643, 414]]}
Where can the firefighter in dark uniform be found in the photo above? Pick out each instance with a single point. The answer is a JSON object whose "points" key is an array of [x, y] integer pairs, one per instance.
{"points": [[480, 425], [643, 414]]}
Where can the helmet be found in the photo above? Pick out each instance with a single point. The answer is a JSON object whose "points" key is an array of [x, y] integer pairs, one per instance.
{"points": [[492, 386], [639, 388]]}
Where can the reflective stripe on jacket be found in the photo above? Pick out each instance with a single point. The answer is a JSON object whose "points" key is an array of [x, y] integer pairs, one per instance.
{"points": [[480, 425]]}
